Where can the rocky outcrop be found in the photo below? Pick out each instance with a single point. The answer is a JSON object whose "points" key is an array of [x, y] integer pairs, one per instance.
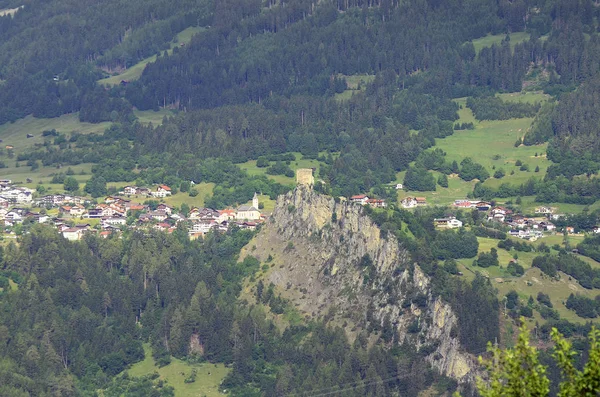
{"points": [[332, 261]]}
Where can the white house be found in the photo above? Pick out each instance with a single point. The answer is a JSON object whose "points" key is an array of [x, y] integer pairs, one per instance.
{"points": [[162, 191], [399, 186], [544, 210], [77, 210], [596, 229], [130, 190], [409, 202], [361, 199], [72, 234], [450, 222], [114, 221], [377, 203], [19, 195]]}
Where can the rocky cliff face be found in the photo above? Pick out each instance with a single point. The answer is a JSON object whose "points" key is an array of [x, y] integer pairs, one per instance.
{"points": [[330, 260]]}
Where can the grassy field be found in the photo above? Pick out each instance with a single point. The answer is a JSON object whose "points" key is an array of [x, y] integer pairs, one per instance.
{"points": [[43, 175], [528, 205], [204, 190], [150, 116], [355, 83], [135, 71], [252, 169], [526, 97], [490, 40], [491, 144], [534, 280], [208, 378], [15, 134]]}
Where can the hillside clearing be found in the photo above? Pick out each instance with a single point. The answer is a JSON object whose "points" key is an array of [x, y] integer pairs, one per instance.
{"points": [[208, 378], [15, 134], [489, 40], [134, 72]]}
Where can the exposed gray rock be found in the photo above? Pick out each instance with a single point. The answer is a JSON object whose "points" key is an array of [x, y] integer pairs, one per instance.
{"points": [[316, 259]]}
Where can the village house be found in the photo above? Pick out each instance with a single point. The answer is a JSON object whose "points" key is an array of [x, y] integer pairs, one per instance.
{"points": [[399, 186], [72, 234], [114, 221], [162, 191], [547, 226], [421, 201], [596, 229], [376, 203], [570, 229], [163, 227], [247, 225], [226, 215], [361, 199], [130, 190], [463, 204], [157, 215], [483, 206], [77, 210], [408, 202], [19, 195], [93, 213], [448, 223], [163, 207], [15, 216], [544, 210]]}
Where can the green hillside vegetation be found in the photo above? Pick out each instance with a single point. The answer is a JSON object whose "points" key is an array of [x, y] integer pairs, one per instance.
{"points": [[533, 281], [501, 154], [15, 134], [208, 376], [134, 72], [252, 169]]}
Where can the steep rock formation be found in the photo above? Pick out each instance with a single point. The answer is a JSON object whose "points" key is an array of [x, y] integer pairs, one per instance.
{"points": [[331, 261]]}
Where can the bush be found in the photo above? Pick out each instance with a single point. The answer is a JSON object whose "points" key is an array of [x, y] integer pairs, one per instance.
{"points": [[514, 269], [499, 174]]}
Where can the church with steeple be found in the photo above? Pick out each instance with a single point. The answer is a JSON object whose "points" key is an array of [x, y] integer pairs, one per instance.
{"points": [[248, 212]]}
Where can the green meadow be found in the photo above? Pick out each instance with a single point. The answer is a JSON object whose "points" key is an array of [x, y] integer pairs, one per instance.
{"points": [[252, 169], [208, 378], [491, 144], [15, 134], [490, 40], [151, 116], [134, 72], [533, 281], [355, 83]]}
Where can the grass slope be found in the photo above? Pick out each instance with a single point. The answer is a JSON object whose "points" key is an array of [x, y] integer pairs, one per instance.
{"points": [[252, 169], [135, 71], [355, 83], [208, 378], [150, 116], [491, 144], [490, 40], [533, 281], [15, 134]]}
